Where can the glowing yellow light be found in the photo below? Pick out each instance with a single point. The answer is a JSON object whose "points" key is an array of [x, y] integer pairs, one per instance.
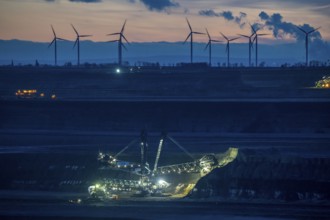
{"points": [[53, 96]]}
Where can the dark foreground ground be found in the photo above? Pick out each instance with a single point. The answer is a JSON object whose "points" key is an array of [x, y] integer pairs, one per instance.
{"points": [[221, 117], [168, 84], [43, 205], [280, 124], [273, 178]]}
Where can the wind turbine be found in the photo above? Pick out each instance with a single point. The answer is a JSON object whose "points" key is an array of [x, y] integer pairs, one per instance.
{"points": [[250, 45], [254, 31], [191, 40], [54, 41], [120, 42], [209, 45], [227, 46], [77, 42], [306, 40]]}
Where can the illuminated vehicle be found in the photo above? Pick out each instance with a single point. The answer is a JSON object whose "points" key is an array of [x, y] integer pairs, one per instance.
{"points": [[324, 83], [26, 93], [31, 94], [138, 179]]}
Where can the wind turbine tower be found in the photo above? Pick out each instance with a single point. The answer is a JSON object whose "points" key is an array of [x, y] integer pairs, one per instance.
{"points": [[54, 41], [306, 40], [77, 42], [209, 45], [120, 43], [228, 46], [250, 45], [190, 35], [254, 31]]}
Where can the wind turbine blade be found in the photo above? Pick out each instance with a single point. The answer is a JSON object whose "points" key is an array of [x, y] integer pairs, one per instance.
{"points": [[262, 34], [124, 46], [244, 35], [313, 30], [259, 28], [301, 29], [187, 38], [216, 41], [234, 39], [112, 41], [125, 38], [75, 43], [113, 34], [51, 42], [75, 30], [53, 30], [189, 25], [198, 33], [223, 35], [207, 32], [123, 28], [254, 39], [253, 30], [85, 35], [58, 38], [207, 45]]}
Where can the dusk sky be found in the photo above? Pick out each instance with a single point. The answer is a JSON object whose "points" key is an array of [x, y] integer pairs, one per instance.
{"points": [[160, 20]]}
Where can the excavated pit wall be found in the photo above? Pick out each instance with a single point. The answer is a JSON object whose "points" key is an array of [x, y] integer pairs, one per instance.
{"points": [[272, 176]]}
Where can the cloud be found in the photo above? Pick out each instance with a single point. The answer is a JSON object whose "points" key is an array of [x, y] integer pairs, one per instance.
{"points": [[228, 15], [319, 49], [83, 1], [281, 28], [208, 13], [240, 20], [263, 15], [157, 5], [86, 1], [275, 4], [324, 10]]}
